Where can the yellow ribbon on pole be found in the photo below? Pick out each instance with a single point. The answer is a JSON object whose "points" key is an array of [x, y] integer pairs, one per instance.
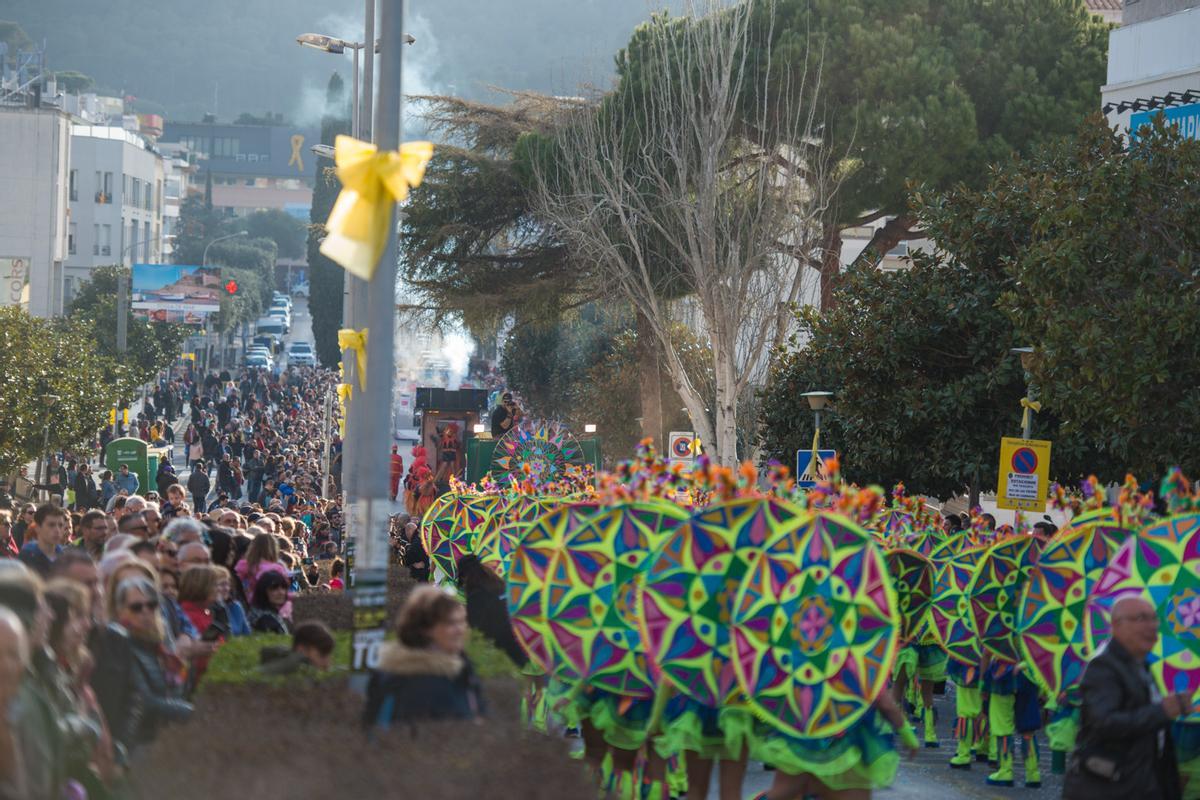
{"points": [[371, 182], [813, 463], [344, 390], [350, 339], [1028, 405]]}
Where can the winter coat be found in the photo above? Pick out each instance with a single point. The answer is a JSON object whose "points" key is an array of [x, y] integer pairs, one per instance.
{"points": [[414, 684], [133, 689], [264, 620], [1120, 722], [199, 484]]}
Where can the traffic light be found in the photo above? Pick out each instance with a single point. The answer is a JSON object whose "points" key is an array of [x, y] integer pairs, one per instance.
{"points": [[231, 287]]}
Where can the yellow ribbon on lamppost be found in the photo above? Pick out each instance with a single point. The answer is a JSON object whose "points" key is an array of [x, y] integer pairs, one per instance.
{"points": [[1028, 406], [344, 390], [349, 339], [371, 181]]}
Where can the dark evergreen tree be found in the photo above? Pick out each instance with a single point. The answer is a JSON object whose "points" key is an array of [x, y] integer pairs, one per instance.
{"points": [[325, 277]]}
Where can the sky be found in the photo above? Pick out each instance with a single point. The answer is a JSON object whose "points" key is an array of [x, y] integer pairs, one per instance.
{"points": [[184, 58]]}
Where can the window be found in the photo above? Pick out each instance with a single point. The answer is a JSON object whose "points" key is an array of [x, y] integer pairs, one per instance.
{"points": [[133, 241], [103, 187], [71, 235], [96, 239], [108, 186], [225, 146], [159, 196], [74, 186], [146, 241], [135, 197], [149, 198], [127, 185], [106, 241]]}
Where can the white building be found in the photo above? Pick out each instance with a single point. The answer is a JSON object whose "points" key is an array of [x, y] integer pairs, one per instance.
{"points": [[34, 163], [178, 170], [116, 189], [1154, 63]]}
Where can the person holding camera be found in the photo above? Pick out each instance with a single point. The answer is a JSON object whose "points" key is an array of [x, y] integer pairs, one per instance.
{"points": [[1124, 748], [506, 416]]}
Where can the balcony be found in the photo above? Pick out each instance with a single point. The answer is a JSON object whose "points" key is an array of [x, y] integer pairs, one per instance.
{"points": [[103, 199]]}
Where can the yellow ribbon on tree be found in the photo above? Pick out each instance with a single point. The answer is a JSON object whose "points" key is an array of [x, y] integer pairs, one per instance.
{"points": [[350, 339], [372, 181], [1028, 405]]}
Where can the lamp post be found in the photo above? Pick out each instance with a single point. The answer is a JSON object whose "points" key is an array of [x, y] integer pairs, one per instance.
{"points": [[1029, 404], [817, 401], [204, 257], [44, 455]]}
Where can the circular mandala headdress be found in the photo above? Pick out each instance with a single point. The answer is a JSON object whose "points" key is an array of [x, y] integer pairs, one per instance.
{"points": [[540, 453], [912, 576], [815, 627], [950, 611]]}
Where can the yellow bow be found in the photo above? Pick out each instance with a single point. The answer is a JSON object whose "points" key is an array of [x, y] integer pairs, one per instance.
{"points": [[1028, 405], [371, 182], [349, 339], [344, 390]]}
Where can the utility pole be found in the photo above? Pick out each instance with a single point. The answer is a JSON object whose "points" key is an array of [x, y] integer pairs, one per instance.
{"points": [[354, 301], [368, 514], [122, 312]]}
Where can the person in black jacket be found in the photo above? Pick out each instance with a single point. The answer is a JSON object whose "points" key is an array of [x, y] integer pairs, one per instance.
{"points": [[1124, 748], [199, 485], [131, 680], [487, 611], [425, 675], [86, 495], [415, 557]]}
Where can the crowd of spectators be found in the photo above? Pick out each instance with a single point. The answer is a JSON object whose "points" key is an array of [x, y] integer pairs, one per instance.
{"points": [[115, 600]]}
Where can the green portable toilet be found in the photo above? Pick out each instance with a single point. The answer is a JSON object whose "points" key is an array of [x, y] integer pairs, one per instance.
{"points": [[133, 452]]}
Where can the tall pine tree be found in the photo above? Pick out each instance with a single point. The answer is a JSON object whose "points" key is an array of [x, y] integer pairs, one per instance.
{"points": [[325, 277]]}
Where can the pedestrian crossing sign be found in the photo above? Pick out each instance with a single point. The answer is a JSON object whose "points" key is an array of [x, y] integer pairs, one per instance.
{"points": [[808, 473]]}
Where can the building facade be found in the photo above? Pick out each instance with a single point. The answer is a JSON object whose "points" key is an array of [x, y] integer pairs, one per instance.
{"points": [[1154, 64], [34, 211], [253, 167], [116, 190]]}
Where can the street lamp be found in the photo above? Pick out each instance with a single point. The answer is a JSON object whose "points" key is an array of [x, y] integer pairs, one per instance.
{"points": [[204, 257], [1028, 404], [332, 44], [817, 401]]}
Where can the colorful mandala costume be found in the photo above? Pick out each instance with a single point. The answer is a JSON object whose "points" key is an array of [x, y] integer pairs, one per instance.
{"points": [[950, 610], [1050, 621], [995, 594], [815, 633], [590, 601], [450, 525], [684, 608], [529, 565], [1162, 565]]}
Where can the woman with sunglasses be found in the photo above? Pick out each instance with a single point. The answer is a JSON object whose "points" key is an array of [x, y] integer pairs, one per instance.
{"points": [[135, 674]]}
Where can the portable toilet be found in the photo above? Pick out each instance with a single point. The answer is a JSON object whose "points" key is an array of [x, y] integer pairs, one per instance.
{"points": [[133, 452]]}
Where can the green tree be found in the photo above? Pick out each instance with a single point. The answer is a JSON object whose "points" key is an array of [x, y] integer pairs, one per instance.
{"points": [[288, 233], [1103, 253], [74, 82], [150, 346], [326, 279], [198, 225], [42, 359], [929, 93]]}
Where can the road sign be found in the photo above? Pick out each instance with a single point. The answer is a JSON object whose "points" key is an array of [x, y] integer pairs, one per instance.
{"points": [[681, 447], [1024, 474], [808, 473]]}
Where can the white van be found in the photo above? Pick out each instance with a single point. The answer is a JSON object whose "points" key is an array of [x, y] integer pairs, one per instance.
{"points": [[269, 326]]}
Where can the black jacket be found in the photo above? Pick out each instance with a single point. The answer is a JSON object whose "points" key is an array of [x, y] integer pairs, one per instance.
{"points": [[86, 496], [132, 688], [1122, 724], [199, 484], [488, 613], [414, 684]]}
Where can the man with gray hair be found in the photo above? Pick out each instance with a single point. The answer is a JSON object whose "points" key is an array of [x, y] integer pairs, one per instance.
{"points": [[185, 530], [1124, 748]]}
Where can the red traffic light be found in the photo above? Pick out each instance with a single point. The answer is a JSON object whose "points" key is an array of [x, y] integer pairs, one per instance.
{"points": [[231, 287]]}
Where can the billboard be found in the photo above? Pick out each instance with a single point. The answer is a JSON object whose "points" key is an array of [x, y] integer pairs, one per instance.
{"points": [[14, 282], [176, 293], [1185, 118]]}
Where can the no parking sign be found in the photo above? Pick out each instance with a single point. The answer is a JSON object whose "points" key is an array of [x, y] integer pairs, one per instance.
{"points": [[1024, 474], [681, 447]]}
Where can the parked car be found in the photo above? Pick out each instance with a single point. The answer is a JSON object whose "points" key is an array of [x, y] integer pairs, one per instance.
{"points": [[301, 354], [258, 360]]}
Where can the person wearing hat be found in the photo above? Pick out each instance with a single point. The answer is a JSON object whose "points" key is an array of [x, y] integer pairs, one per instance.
{"points": [[505, 416]]}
